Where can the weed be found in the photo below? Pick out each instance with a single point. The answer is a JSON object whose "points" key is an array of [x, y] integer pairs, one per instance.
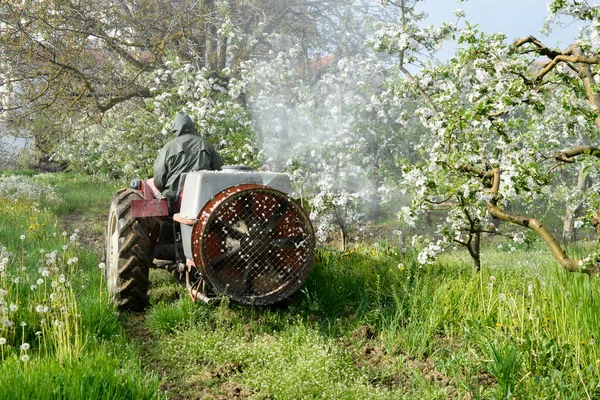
{"points": [[504, 367]]}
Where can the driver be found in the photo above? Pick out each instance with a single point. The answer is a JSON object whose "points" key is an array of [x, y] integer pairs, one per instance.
{"points": [[185, 153]]}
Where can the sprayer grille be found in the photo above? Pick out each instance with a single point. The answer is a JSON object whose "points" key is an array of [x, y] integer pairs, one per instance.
{"points": [[255, 244]]}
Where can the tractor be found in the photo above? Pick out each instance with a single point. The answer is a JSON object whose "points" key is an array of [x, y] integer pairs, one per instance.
{"points": [[234, 232]]}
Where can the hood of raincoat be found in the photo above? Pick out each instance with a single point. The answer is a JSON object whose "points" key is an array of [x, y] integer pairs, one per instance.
{"points": [[182, 125]]}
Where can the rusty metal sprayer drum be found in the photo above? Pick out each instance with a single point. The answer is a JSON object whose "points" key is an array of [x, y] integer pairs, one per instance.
{"points": [[253, 243]]}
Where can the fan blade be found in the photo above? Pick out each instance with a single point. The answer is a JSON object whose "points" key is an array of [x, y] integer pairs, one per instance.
{"points": [[231, 231], [288, 242], [247, 205], [219, 261], [276, 217]]}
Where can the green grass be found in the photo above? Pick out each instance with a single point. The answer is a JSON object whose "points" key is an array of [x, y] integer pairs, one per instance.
{"points": [[81, 194], [60, 336], [368, 323], [85, 200], [104, 372], [371, 324]]}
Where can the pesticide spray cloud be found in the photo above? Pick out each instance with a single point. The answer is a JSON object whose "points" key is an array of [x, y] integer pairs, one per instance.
{"points": [[324, 121]]}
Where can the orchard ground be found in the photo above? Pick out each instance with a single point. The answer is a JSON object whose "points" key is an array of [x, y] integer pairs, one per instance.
{"points": [[369, 323]]}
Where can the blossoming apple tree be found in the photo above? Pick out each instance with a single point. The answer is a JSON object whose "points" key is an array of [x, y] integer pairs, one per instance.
{"points": [[328, 122], [504, 119], [128, 138]]}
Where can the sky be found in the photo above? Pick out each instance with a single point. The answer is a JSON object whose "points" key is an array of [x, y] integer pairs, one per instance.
{"points": [[516, 18]]}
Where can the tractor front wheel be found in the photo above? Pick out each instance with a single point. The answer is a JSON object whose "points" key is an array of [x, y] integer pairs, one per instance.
{"points": [[128, 253]]}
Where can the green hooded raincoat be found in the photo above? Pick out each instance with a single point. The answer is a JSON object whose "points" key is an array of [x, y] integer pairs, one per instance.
{"points": [[185, 153]]}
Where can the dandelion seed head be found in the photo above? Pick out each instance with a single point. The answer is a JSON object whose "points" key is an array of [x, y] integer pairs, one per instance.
{"points": [[24, 346], [22, 237], [2, 341], [24, 358]]}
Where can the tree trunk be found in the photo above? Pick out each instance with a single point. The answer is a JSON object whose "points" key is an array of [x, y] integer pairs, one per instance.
{"points": [[427, 218], [568, 235], [341, 220], [572, 211], [375, 206], [222, 53], [211, 36], [475, 252], [596, 221], [344, 238], [589, 83]]}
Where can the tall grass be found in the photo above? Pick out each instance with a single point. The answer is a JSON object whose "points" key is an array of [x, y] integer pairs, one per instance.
{"points": [[368, 323], [59, 333], [522, 328]]}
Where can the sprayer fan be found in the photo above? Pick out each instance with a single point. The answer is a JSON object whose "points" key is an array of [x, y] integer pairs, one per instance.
{"points": [[254, 244]]}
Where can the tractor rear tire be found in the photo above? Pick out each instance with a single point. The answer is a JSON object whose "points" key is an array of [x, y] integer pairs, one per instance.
{"points": [[128, 253]]}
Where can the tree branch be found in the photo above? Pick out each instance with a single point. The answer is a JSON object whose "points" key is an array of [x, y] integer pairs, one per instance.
{"points": [[557, 251], [568, 156], [119, 99]]}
